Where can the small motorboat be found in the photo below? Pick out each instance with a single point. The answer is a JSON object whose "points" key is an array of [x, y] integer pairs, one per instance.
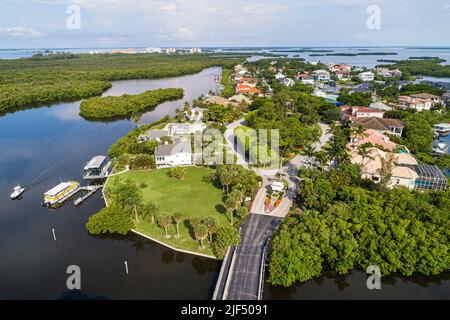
{"points": [[440, 148], [17, 192]]}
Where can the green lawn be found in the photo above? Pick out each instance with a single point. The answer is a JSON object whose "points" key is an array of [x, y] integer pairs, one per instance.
{"points": [[191, 197]]}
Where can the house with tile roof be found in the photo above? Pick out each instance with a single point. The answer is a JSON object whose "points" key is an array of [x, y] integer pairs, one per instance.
{"points": [[381, 125], [418, 104], [242, 88], [353, 113], [371, 165], [373, 137], [428, 97]]}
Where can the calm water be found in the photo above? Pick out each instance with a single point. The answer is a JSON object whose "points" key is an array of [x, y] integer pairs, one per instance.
{"points": [[40, 146], [363, 61], [371, 61]]}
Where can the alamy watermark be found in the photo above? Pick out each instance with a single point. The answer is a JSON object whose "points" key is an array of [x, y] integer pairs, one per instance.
{"points": [[373, 282], [373, 22], [245, 146], [74, 280], [74, 20]]}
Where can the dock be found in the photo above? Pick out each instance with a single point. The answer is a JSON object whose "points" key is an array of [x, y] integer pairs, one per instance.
{"points": [[91, 190]]}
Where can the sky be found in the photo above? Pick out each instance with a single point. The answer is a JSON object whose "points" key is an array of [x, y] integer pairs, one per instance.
{"points": [[203, 23]]}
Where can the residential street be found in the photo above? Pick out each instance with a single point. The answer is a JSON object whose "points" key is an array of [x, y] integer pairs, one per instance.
{"points": [[289, 170]]}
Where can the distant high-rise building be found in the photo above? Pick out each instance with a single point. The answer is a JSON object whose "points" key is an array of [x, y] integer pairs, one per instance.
{"points": [[171, 50], [195, 50], [153, 50]]}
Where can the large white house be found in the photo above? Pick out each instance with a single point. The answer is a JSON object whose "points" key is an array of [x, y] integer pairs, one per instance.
{"points": [[173, 155], [321, 75], [184, 130], [366, 76]]}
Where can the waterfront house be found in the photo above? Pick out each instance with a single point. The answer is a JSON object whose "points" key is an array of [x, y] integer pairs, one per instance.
{"points": [[353, 113], [386, 73], [183, 131], [371, 165], [194, 114], [418, 104], [219, 100], [173, 155], [382, 125], [343, 75], [321, 75], [251, 82], [305, 78], [241, 99], [340, 68], [374, 137], [153, 135], [366, 76], [242, 88], [428, 97]]}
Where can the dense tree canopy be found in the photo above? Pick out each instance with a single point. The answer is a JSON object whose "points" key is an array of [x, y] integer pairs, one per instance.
{"points": [[348, 226], [26, 83], [127, 105]]}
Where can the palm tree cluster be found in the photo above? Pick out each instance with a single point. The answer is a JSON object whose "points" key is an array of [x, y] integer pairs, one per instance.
{"points": [[204, 228]]}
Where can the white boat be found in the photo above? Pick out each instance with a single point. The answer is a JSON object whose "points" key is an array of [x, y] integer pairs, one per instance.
{"points": [[440, 148], [17, 192]]}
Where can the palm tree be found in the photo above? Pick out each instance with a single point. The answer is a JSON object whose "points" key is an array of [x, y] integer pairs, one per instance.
{"points": [[336, 150], [152, 212], [195, 221], [310, 153], [364, 152], [212, 225], [182, 173], [359, 132], [201, 232], [165, 221], [231, 204], [178, 217], [322, 159]]}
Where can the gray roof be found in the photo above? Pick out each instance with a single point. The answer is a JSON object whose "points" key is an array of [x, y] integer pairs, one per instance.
{"points": [[165, 150], [154, 134], [363, 87], [95, 162]]}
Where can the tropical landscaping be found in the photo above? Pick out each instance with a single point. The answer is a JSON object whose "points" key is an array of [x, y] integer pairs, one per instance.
{"points": [[193, 208]]}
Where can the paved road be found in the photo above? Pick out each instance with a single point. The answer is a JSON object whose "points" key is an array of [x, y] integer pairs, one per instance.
{"points": [[229, 136], [247, 266]]}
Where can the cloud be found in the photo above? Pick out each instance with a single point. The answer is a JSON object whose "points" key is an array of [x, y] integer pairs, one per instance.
{"points": [[170, 8], [183, 33], [20, 31]]}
